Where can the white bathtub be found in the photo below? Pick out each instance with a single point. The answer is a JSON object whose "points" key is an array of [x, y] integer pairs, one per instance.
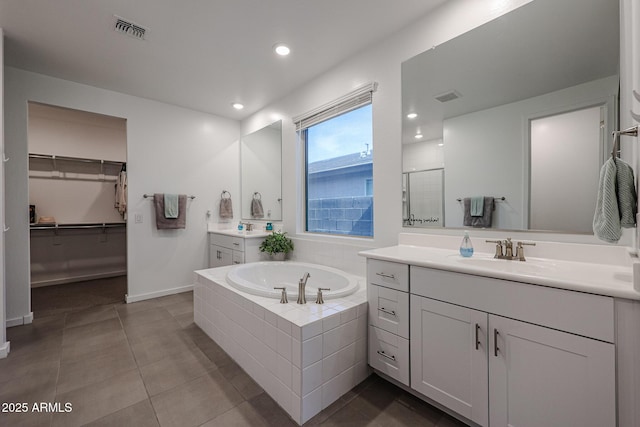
{"points": [[305, 356], [259, 278]]}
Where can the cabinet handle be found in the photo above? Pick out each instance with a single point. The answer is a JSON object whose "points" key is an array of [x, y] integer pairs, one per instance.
{"points": [[477, 336], [388, 276], [384, 310], [236, 244], [496, 349], [382, 353]]}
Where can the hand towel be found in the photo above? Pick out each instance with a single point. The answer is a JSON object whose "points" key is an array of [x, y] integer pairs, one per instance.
{"points": [[483, 221], [257, 210], [616, 202], [477, 206], [163, 223], [627, 196], [171, 206], [226, 208]]}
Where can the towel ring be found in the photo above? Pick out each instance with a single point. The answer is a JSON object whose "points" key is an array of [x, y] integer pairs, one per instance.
{"points": [[223, 193], [257, 196]]}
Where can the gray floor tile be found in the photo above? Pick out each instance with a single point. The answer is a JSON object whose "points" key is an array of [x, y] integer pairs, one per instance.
{"points": [[158, 327], [152, 348], [90, 315], [175, 370], [243, 415], [196, 402], [97, 400], [141, 318], [139, 415], [95, 367], [82, 348], [269, 410], [181, 307]]}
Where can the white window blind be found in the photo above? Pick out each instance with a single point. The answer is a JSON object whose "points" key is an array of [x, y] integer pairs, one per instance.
{"points": [[354, 99]]}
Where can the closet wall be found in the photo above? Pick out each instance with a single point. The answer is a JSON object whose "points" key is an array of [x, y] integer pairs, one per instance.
{"points": [[75, 192]]}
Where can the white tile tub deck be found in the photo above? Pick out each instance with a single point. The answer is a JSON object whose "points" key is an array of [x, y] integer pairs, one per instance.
{"points": [[304, 356]]}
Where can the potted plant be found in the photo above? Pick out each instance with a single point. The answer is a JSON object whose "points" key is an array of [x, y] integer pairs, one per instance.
{"points": [[277, 245]]}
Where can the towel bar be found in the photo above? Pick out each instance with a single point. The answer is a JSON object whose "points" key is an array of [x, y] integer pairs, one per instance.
{"points": [[497, 199], [150, 196]]}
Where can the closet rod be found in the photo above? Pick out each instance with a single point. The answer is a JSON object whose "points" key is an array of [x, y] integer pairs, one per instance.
{"points": [[80, 226], [73, 159], [497, 199]]}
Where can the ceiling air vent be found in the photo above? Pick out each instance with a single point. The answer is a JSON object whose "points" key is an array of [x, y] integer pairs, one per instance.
{"points": [[129, 28], [448, 96]]}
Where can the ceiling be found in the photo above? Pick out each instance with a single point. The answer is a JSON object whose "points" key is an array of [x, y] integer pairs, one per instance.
{"points": [[200, 54]]}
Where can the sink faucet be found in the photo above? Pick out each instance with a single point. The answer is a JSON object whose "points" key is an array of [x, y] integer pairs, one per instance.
{"points": [[508, 249], [301, 288]]}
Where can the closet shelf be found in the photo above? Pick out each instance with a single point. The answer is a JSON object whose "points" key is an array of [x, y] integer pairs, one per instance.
{"points": [[78, 226], [64, 164]]}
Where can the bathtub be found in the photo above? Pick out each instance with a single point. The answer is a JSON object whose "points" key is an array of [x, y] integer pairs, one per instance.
{"points": [[305, 356], [259, 278]]}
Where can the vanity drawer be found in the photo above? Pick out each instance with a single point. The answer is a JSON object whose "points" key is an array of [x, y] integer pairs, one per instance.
{"points": [[388, 274], [231, 242], [389, 354], [389, 309], [570, 311]]}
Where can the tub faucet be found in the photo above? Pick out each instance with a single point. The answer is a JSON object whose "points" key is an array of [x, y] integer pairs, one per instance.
{"points": [[302, 284]]}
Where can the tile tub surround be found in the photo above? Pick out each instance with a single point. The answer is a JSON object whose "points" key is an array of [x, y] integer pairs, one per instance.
{"points": [[304, 356]]}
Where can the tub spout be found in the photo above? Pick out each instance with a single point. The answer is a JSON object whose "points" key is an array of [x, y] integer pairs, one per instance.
{"points": [[302, 284]]}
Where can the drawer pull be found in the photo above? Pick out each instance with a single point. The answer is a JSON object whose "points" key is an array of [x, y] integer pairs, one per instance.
{"points": [[496, 349], [388, 276], [383, 354], [236, 244], [477, 339], [391, 312]]}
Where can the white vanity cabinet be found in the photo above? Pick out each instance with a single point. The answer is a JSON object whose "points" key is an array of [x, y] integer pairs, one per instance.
{"points": [[470, 355], [388, 297], [229, 249]]}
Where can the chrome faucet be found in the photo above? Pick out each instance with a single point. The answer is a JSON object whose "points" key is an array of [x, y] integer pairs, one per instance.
{"points": [[302, 284], [508, 249]]}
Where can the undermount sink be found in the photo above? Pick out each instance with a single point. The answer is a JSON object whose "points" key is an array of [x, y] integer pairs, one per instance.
{"points": [[531, 266]]}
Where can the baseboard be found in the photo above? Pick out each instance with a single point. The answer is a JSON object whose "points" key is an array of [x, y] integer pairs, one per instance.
{"points": [[4, 349], [141, 297], [18, 321], [65, 280]]}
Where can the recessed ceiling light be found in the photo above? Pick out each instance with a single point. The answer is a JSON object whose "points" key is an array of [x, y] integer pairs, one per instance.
{"points": [[412, 116], [418, 136], [237, 106], [281, 49], [440, 144]]}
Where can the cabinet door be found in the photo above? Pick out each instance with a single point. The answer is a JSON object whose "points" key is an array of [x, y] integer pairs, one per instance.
{"points": [[219, 256], [449, 356], [238, 257], [544, 377]]}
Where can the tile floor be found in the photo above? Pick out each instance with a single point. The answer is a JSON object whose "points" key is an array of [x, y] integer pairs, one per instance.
{"points": [[148, 364]]}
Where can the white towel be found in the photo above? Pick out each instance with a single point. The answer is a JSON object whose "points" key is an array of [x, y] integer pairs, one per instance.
{"points": [[616, 203]]}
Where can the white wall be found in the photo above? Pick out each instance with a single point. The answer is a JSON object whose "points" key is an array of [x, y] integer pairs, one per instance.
{"points": [[169, 149], [421, 156], [380, 63]]}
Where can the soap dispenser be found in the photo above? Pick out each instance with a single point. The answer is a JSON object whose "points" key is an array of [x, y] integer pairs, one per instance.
{"points": [[466, 248]]}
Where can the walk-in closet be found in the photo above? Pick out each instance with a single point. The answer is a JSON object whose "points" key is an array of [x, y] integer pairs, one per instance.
{"points": [[77, 208]]}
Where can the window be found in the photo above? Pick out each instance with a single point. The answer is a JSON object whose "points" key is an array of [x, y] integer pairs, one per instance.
{"points": [[339, 173]]}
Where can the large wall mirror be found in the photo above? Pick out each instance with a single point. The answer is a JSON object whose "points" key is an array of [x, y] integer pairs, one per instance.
{"points": [[519, 109], [261, 173]]}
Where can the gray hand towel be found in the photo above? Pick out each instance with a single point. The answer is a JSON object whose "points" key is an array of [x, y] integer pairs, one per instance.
{"points": [[170, 205], [483, 221], [627, 196], [226, 208], [256, 208], [616, 202], [163, 223]]}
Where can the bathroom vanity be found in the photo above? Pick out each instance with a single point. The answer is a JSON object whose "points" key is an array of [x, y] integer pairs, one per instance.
{"points": [[229, 247], [546, 342]]}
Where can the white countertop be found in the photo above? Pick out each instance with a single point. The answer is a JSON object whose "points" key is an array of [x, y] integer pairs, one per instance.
{"points": [[601, 279], [244, 233]]}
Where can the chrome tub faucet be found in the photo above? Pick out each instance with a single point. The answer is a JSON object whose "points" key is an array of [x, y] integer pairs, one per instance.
{"points": [[302, 284]]}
